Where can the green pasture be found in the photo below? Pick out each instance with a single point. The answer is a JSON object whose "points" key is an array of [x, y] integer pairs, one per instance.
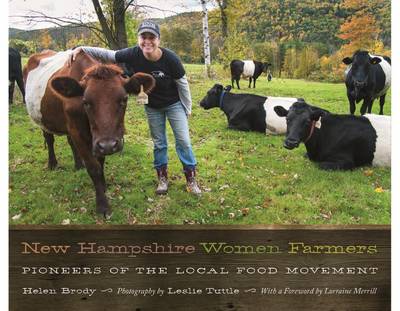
{"points": [[247, 178]]}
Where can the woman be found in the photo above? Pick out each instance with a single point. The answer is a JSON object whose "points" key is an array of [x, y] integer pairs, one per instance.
{"points": [[170, 99]]}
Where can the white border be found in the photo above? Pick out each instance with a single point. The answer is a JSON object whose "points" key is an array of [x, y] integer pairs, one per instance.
{"points": [[4, 155], [395, 153]]}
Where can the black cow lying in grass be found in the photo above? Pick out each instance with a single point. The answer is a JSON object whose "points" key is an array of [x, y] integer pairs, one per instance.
{"points": [[338, 142], [248, 112]]}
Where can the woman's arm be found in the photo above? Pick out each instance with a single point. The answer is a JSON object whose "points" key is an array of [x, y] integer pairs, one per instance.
{"points": [[184, 94], [100, 54]]}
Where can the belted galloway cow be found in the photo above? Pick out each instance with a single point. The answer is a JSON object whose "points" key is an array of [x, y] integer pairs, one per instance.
{"points": [[248, 112], [338, 142], [248, 69], [367, 78], [86, 102]]}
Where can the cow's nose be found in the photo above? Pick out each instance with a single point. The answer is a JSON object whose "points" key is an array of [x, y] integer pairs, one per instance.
{"points": [[108, 146], [290, 143], [360, 83]]}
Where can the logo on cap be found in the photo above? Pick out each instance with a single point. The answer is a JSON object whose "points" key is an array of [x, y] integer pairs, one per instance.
{"points": [[149, 26]]}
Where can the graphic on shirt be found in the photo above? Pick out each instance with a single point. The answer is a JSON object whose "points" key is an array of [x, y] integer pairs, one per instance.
{"points": [[158, 74]]}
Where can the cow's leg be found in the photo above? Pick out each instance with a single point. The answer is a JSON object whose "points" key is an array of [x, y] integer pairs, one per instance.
{"points": [[370, 106], [237, 83], [232, 80], [49, 138], [249, 82], [101, 161], [94, 168], [96, 173], [243, 125], [352, 103], [337, 165], [381, 103], [11, 87], [254, 83], [365, 106], [21, 86], [338, 162], [77, 160]]}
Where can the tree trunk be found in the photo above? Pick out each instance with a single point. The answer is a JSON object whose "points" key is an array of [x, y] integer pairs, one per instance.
{"points": [[119, 24], [223, 4], [108, 34], [206, 40]]}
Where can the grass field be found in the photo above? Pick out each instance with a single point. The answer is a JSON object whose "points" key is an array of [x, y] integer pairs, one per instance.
{"points": [[247, 178]]}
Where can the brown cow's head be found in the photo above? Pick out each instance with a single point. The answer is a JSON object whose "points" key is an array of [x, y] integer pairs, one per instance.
{"points": [[104, 93]]}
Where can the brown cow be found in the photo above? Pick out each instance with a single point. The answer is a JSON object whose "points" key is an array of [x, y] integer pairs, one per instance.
{"points": [[86, 102]]}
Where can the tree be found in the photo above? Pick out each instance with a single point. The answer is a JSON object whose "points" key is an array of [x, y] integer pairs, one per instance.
{"points": [[45, 40], [26, 48], [360, 30], [235, 47], [291, 62], [307, 62], [206, 39], [178, 39], [111, 26], [223, 6]]}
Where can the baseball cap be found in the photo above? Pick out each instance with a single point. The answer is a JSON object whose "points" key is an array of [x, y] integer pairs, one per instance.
{"points": [[149, 26]]}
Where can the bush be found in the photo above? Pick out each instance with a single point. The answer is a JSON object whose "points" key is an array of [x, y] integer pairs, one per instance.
{"points": [[26, 48]]}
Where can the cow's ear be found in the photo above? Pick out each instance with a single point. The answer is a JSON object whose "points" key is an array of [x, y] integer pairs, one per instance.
{"points": [[67, 87], [228, 88], [219, 87], [347, 60], [375, 60], [316, 114], [280, 111], [132, 85]]}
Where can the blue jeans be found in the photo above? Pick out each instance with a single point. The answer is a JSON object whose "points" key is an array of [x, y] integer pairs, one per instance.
{"points": [[179, 123]]}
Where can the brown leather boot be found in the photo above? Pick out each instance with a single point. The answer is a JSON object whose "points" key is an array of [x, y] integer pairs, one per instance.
{"points": [[191, 184], [162, 174]]}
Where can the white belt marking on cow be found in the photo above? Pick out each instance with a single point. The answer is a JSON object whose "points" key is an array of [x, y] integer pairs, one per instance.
{"points": [[275, 124], [388, 74], [248, 68], [37, 80], [381, 124]]}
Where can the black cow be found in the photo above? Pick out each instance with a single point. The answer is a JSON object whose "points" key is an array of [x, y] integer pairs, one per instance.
{"points": [[247, 68], [14, 74], [248, 112], [338, 142], [367, 78]]}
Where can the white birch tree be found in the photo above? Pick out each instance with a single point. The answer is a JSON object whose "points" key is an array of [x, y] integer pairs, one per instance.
{"points": [[206, 40]]}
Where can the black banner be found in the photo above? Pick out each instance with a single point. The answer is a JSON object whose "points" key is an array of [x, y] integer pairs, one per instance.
{"points": [[200, 268]]}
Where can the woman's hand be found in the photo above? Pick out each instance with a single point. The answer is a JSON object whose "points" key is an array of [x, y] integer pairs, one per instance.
{"points": [[73, 56]]}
